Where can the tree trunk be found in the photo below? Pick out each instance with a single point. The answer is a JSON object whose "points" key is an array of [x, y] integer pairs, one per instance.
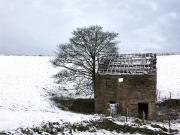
{"points": [[94, 75]]}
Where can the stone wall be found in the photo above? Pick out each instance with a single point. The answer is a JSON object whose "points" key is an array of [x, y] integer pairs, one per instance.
{"points": [[85, 106], [128, 94]]}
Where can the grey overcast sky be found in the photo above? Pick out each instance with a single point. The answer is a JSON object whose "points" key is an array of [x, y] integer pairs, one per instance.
{"points": [[38, 26]]}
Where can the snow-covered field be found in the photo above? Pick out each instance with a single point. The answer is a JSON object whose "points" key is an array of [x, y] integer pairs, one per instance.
{"points": [[23, 100], [24, 81], [168, 76]]}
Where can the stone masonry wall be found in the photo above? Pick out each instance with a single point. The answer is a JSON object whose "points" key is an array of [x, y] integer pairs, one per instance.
{"points": [[133, 90]]}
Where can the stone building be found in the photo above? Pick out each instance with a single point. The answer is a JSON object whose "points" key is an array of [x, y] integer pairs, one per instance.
{"points": [[129, 82]]}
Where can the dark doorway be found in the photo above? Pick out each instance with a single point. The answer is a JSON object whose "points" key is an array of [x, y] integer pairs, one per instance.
{"points": [[143, 107], [112, 102]]}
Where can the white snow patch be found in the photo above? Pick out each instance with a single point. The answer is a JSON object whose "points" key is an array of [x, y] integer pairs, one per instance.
{"points": [[168, 76], [101, 132], [23, 100]]}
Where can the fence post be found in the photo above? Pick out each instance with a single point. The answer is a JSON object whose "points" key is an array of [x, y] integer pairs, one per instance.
{"points": [[143, 117], [126, 114]]}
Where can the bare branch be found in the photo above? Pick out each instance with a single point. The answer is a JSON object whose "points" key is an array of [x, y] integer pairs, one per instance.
{"points": [[81, 55]]}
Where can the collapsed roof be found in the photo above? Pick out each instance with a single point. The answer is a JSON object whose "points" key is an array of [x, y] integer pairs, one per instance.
{"points": [[132, 64]]}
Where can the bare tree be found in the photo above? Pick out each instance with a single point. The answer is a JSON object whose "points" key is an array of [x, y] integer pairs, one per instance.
{"points": [[79, 58]]}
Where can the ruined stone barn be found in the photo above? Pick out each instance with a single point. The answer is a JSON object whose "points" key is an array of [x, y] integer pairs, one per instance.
{"points": [[129, 81]]}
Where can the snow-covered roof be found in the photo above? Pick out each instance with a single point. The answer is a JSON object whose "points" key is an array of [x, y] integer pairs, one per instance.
{"points": [[138, 63]]}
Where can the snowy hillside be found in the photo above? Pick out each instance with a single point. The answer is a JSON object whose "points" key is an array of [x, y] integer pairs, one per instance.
{"points": [[23, 102], [168, 76], [24, 80]]}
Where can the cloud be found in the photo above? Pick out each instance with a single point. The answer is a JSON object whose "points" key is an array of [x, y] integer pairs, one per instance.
{"points": [[153, 6], [37, 26]]}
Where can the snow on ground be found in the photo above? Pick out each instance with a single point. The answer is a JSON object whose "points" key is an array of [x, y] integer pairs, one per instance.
{"points": [[168, 76], [24, 80], [23, 102], [101, 132]]}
